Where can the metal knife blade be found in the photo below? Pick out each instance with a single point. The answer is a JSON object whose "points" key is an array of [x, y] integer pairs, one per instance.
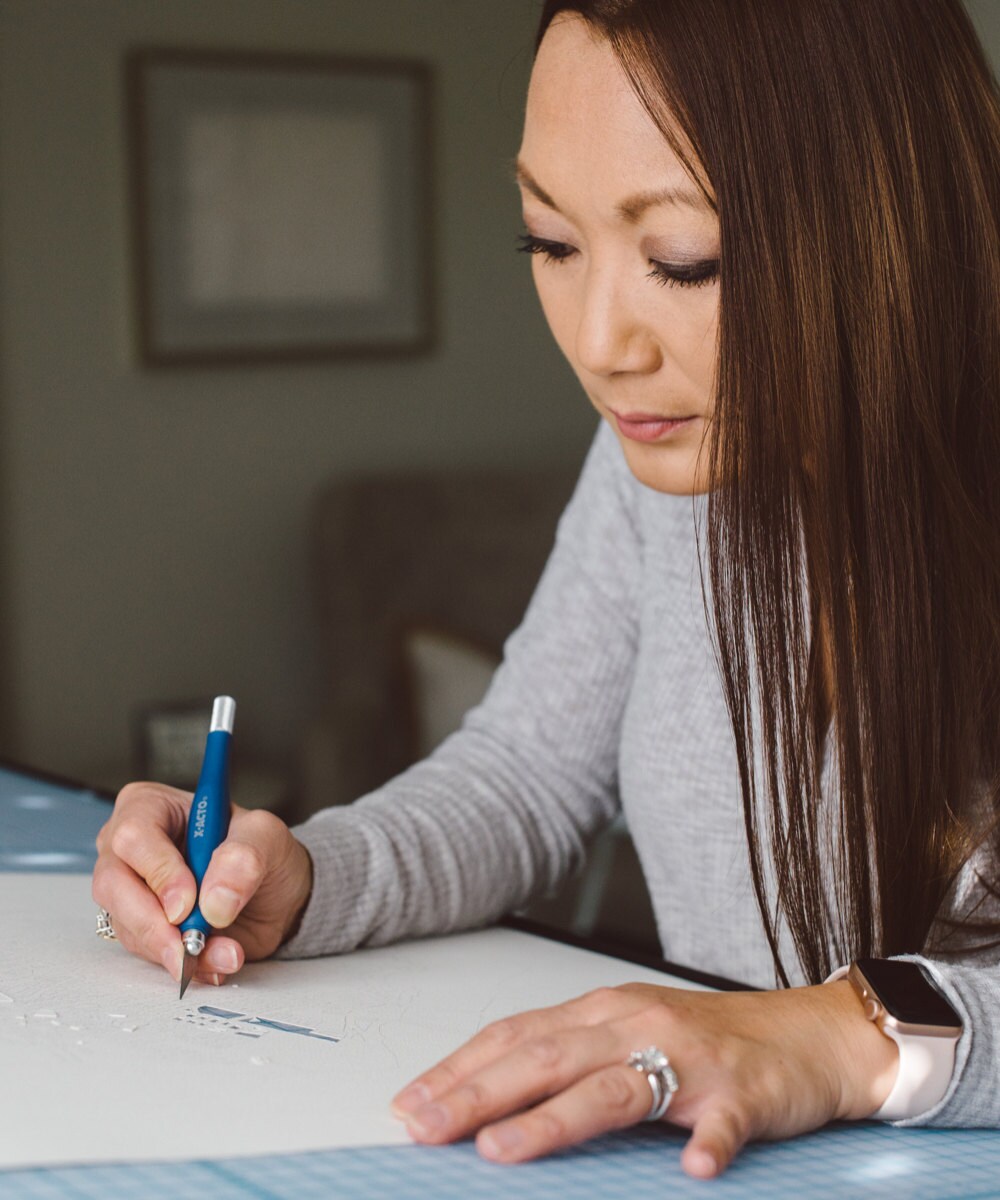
{"points": [[187, 971]]}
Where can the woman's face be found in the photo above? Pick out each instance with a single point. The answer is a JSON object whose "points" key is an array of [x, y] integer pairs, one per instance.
{"points": [[625, 256]]}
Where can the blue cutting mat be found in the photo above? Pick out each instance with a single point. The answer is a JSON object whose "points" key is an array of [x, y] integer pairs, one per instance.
{"points": [[47, 825], [873, 1161]]}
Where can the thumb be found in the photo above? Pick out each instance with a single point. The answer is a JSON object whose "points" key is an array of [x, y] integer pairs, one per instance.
{"points": [[719, 1134]]}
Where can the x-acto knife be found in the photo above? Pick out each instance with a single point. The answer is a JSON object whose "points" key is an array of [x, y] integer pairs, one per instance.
{"points": [[208, 824]]}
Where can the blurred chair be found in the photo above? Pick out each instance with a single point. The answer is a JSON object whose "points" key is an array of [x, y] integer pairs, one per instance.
{"points": [[455, 551], [420, 578]]}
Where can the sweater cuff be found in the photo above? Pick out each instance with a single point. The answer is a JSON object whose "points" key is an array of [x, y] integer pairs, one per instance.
{"points": [[337, 848], [950, 993]]}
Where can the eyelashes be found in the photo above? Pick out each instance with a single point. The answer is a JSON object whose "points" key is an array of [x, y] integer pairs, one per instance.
{"points": [[693, 274], [550, 251]]}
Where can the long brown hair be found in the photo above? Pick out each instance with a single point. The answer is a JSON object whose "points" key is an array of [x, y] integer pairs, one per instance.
{"points": [[852, 152]]}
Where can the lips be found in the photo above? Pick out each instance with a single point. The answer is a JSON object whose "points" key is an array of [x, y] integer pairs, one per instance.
{"points": [[648, 427]]}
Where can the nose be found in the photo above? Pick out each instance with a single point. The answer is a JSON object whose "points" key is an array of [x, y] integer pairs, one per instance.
{"points": [[612, 336]]}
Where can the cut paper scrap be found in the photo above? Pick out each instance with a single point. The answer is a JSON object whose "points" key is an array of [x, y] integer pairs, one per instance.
{"points": [[236, 1020], [335, 1037]]}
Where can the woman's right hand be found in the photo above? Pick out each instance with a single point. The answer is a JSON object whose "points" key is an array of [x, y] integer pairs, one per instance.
{"points": [[255, 889]]}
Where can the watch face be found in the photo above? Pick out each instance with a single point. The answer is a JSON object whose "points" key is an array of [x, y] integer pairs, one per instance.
{"points": [[907, 993]]}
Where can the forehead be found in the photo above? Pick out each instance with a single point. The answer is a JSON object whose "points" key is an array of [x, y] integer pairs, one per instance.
{"points": [[584, 123]]}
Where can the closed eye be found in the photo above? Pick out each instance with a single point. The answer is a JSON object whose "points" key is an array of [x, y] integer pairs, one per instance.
{"points": [[694, 274], [550, 251]]}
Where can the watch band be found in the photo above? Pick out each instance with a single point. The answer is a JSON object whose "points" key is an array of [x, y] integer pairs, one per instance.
{"points": [[926, 1065]]}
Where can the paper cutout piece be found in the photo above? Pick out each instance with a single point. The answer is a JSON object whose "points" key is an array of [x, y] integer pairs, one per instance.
{"points": [[266, 1022]]}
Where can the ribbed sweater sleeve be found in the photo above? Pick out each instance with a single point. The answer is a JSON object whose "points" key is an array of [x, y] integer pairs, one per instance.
{"points": [[973, 1097], [970, 978], [502, 811]]}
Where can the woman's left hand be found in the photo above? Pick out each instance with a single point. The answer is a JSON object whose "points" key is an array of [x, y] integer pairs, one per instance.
{"points": [[750, 1065]]}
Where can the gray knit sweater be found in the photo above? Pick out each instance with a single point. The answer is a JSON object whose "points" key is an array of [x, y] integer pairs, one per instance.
{"points": [[608, 696]]}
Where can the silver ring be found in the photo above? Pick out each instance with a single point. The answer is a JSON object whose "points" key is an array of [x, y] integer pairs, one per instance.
{"points": [[660, 1076], [104, 927]]}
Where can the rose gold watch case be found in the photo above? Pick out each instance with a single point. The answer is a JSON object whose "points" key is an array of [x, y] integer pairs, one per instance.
{"points": [[876, 1011]]}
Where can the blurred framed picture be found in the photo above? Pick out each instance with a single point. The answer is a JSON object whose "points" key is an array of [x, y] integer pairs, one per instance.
{"points": [[170, 741], [280, 206]]}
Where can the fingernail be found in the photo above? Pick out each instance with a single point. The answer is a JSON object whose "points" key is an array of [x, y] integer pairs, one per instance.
{"points": [[429, 1119], [500, 1140], [220, 907], [226, 959], [175, 905], [412, 1097]]}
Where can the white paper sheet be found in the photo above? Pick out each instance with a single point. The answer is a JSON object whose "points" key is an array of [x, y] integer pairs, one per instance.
{"points": [[102, 1062]]}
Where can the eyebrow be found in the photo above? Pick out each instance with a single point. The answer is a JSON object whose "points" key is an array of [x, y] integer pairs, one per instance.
{"points": [[631, 209]]}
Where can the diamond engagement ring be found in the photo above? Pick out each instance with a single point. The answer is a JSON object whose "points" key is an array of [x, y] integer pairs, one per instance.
{"points": [[660, 1076], [104, 927]]}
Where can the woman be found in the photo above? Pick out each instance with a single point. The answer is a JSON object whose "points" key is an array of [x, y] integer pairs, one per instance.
{"points": [[764, 234]]}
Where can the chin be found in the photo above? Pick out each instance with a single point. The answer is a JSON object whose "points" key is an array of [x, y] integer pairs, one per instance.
{"points": [[673, 470]]}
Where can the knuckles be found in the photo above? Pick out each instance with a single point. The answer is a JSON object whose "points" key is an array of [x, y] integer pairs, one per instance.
{"points": [[473, 1099], [128, 795], [548, 1127], [546, 1051], [603, 1003], [145, 934], [502, 1034], [660, 1023], [241, 859], [261, 826], [443, 1078], [128, 837], [99, 888], [616, 1091]]}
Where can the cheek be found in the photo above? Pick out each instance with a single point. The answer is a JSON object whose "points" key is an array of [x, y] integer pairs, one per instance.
{"points": [[709, 351], [691, 341], [557, 302]]}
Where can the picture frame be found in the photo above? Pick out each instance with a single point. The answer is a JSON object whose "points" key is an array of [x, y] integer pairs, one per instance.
{"points": [[169, 740], [280, 204]]}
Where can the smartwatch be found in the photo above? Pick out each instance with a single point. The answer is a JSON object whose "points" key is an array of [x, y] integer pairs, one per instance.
{"points": [[904, 1003]]}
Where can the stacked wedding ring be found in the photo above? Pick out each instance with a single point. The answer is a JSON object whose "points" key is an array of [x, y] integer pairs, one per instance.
{"points": [[660, 1076], [104, 927]]}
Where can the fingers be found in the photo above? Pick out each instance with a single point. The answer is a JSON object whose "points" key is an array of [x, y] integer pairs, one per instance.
{"points": [[719, 1134], [221, 957], [257, 840], [141, 878], [487, 1046], [576, 1074], [148, 822], [612, 1098], [139, 922], [501, 1037], [533, 1084], [534, 1069]]}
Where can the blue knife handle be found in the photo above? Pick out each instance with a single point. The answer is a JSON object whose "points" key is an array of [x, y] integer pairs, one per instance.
{"points": [[208, 820]]}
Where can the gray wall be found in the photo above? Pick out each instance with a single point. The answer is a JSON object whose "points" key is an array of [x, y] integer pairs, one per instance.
{"points": [[153, 523], [986, 14]]}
